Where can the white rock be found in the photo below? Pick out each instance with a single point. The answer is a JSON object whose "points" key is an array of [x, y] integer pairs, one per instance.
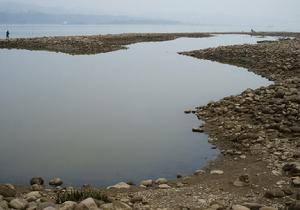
{"points": [[161, 181], [217, 172], [147, 183], [88, 203], [121, 185], [164, 186]]}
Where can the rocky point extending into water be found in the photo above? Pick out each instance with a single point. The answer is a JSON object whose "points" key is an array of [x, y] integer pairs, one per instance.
{"points": [[258, 133]]}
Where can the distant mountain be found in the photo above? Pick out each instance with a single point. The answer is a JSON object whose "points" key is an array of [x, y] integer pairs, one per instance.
{"points": [[44, 18]]}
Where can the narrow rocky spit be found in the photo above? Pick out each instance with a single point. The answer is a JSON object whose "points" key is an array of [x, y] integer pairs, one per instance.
{"points": [[79, 45], [258, 133]]}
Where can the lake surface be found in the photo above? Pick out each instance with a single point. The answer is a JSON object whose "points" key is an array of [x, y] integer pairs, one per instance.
{"points": [[17, 31], [105, 118]]}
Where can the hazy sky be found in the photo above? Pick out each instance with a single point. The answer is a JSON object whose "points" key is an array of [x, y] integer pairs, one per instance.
{"points": [[264, 11]]}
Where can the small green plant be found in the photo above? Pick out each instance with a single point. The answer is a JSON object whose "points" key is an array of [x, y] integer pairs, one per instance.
{"points": [[79, 195]]}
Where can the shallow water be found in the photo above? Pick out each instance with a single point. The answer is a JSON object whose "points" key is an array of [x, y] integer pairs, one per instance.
{"points": [[112, 117]]}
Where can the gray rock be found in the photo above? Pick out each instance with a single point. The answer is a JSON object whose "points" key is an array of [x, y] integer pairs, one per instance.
{"points": [[68, 205], [4, 204], [136, 199], [293, 169], [147, 183], [164, 186], [242, 181], [56, 182], [277, 193], [296, 182], [268, 208], [32, 196], [18, 203], [7, 190], [44, 205], [87, 204], [116, 205], [50, 208], [239, 207], [36, 187], [161, 181], [253, 206], [295, 206], [36, 180]]}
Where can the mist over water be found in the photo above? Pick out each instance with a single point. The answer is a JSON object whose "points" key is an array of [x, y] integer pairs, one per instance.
{"points": [[111, 117]]}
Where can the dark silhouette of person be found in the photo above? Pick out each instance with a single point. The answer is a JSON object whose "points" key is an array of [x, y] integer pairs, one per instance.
{"points": [[7, 34]]}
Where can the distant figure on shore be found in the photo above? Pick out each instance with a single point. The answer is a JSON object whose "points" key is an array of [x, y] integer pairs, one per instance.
{"points": [[7, 34], [252, 31]]}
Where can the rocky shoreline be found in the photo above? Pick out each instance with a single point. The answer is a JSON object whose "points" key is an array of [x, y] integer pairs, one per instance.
{"points": [[258, 133]]}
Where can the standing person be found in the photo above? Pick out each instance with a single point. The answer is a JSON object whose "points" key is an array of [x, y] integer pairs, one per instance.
{"points": [[7, 34]]}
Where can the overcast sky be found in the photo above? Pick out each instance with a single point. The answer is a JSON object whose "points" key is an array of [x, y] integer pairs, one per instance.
{"points": [[264, 11]]}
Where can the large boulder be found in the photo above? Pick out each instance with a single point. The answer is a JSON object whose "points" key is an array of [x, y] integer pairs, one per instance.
{"points": [[32, 196], [7, 190], [147, 183], [18, 203], [56, 182], [68, 205], [87, 204], [36, 180]]}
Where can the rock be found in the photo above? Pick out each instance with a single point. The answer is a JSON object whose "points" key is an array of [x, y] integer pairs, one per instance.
{"points": [[7, 191], [253, 206], [164, 186], [242, 181], [136, 199], [295, 129], [147, 183], [87, 204], [296, 182], [295, 206], [188, 111], [217, 172], [292, 169], [4, 204], [32, 196], [36, 187], [277, 193], [36, 180], [121, 185], [161, 181], [68, 205], [44, 205], [199, 172], [56, 182], [198, 130], [18, 203], [268, 208], [116, 205], [50, 208], [239, 207]]}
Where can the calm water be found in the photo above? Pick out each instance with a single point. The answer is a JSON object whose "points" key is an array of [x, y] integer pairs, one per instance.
{"points": [[17, 31], [110, 117]]}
